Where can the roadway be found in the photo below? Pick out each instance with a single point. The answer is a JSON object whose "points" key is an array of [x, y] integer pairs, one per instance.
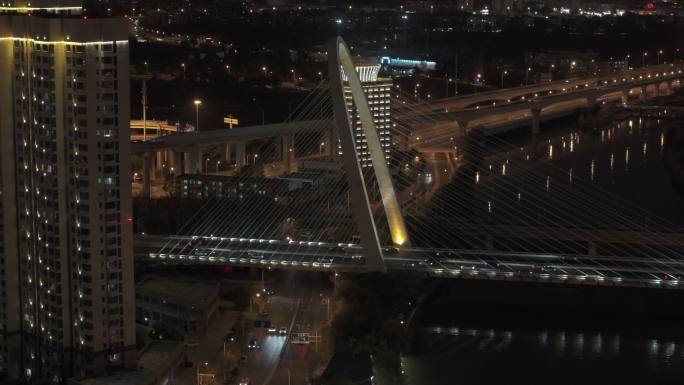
{"points": [[439, 129], [261, 362], [477, 264], [297, 305], [209, 344], [237, 134], [465, 107], [539, 89], [296, 362]]}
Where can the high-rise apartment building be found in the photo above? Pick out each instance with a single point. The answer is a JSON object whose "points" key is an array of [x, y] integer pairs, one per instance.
{"points": [[66, 263], [377, 91]]}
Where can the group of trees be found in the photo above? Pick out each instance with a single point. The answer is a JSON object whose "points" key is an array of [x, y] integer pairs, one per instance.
{"points": [[371, 314]]}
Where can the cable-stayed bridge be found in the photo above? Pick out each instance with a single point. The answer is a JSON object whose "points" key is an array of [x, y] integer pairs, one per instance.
{"points": [[364, 201]]}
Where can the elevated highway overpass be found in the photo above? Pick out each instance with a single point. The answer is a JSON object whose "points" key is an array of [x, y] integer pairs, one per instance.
{"points": [[437, 132], [448, 118], [540, 89]]}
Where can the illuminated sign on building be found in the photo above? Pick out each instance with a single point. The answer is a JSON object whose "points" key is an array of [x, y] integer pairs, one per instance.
{"points": [[423, 65]]}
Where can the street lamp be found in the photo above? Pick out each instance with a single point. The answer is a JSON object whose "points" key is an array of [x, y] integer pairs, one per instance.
{"points": [[197, 103], [206, 165], [503, 73], [252, 299], [265, 70], [660, 52], [294, 76], [527, 75], [183, 65], [147, 67], [200, 375], [228, 68], [218, 163], [643, 59]]}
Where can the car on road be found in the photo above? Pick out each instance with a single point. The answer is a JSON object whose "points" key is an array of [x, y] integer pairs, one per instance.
{"points": [[283, 330], [271, 329], [269, 291], [245, 381], [253, 344]]}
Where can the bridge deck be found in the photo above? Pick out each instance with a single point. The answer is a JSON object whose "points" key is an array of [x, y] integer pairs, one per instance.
{"points": [[471, 264]]}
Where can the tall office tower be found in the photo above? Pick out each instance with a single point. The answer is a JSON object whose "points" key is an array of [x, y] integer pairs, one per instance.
{"points": [[377, 92], [66, 267]]}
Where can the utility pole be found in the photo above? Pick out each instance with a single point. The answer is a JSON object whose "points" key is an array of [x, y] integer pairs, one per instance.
{"points": [[456, 75], [144, 108]]}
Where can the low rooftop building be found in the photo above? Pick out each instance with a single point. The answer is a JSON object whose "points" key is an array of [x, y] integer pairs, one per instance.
{"points": [[185, 307]]}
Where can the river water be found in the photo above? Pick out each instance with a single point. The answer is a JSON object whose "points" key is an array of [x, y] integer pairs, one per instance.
{"points": [[618, 169], [623, 163], [472, 356]]}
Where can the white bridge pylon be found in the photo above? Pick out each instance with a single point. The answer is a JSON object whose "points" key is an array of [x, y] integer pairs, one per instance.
{"points": [[340, 61]]}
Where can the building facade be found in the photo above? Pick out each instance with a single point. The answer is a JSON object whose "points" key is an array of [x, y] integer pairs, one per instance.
{"points": [[378, 94], [66, 260], [199, 186], [185, 307]]}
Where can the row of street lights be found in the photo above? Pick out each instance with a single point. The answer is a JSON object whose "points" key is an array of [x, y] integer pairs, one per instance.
{"points": [[659, 53]]}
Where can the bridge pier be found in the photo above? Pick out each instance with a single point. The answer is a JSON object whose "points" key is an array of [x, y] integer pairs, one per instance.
{"points": [[240, 150], [147, 171], [159, 157], [173, 163], [329, 143], [625, 96], [463, 126], [228, 152], [536, 120], [288, 152], [176, 159], [192, 158]]}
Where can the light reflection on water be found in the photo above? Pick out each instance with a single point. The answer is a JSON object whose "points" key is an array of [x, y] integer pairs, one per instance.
{"points": [[577, 355], [573, 161]]}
